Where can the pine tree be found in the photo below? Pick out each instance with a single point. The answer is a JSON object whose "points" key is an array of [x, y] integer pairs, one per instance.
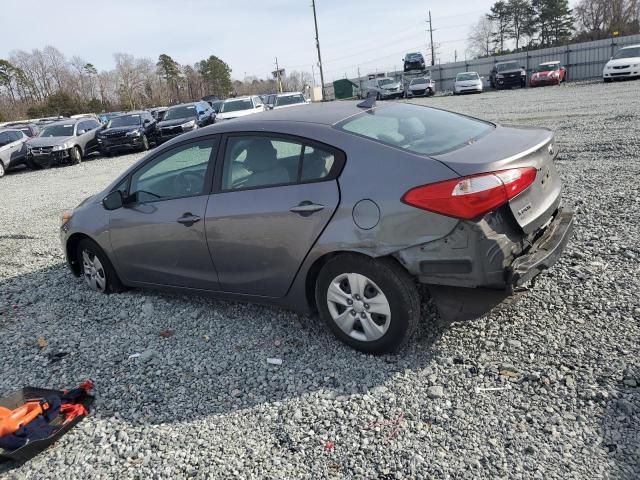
{"points": [[499, 15]]}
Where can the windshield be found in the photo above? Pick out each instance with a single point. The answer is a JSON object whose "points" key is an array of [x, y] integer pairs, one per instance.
{"points": [[462, 77], [289, 100], [418, 129], [65, 130], [181, 111], [385, 81], [417, 81], [548, 68], [236, 105], [124, 121], [627, 53], [501, 67]]}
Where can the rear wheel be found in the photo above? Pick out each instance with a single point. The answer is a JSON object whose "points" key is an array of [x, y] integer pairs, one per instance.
{"points": [[96, 269], [75, 155], [373, 305]]}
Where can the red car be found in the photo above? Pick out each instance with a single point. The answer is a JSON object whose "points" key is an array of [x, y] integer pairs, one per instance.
{"points": [[549, 73]]}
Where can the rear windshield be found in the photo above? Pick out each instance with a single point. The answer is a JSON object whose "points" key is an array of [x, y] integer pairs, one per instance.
{"points": [[418, 129]]}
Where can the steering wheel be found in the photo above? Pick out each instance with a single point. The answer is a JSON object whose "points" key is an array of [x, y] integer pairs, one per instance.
{"points": [[187, 183]]}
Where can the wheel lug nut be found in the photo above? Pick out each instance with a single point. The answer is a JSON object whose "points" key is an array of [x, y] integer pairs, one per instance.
{"points": [[363, 315], [353, 312], [366, 305], [350, 302]]}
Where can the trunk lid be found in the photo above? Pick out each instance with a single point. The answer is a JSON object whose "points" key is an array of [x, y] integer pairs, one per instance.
{"points": [[506, 148]]}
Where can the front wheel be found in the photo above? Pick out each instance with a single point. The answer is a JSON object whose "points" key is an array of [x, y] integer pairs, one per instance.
{"points": [[2, 170], [96, 269], [75, 156], [373, 305]]}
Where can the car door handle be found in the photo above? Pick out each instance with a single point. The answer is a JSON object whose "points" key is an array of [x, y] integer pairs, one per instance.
{"points": [[306, 208], [188, 219]]}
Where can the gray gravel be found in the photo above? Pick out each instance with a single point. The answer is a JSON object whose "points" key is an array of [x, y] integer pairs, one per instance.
{"points": [[545, 387]]}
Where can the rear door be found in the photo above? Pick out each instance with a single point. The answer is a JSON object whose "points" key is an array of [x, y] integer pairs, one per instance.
{"points": [[274, 196]]}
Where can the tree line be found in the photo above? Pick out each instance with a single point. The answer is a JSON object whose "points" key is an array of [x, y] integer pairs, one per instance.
{"points": [[44, 83], [516, 25]]}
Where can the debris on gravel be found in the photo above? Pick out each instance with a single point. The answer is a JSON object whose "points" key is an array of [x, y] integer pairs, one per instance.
{"points": [[542, 387]]}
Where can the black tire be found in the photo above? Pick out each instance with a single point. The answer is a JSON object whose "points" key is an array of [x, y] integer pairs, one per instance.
{"points": [[607, 80], [395, 283], [2, 169], [145, 144], [105, 153], [113, 283], [75, 156]]}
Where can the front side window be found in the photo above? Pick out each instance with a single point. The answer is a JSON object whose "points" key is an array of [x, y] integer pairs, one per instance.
{"points": [[178, 173], [260, 161], [417, 129], [4, 139]]}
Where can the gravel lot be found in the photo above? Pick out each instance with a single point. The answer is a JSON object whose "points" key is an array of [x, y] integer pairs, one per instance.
{"points": [[205, 403]]}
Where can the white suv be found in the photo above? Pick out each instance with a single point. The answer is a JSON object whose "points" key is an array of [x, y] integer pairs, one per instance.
{"points": [[624, 64]]}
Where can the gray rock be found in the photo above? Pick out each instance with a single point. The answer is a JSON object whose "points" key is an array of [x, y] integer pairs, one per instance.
{"points": [[435, 391]]}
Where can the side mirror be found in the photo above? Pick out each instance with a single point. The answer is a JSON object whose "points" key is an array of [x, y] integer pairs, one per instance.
{"points": [[147, 121], [113, 201]]}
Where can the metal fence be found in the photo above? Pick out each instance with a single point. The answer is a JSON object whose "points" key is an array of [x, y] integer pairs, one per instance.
{"points": [[583, 61]]}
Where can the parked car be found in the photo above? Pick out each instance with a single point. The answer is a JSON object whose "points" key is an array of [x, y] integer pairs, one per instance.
{"points": [[184, 118], [29, 129], [63, 142], [548, 73], [240, 107], [285, 100], [467, 82], [104, 118], [131, 131], [339, 207], [93, 116], [508, 75], [384, 88], [413, 61], [420, 87], [624, 64], [13, 149]]}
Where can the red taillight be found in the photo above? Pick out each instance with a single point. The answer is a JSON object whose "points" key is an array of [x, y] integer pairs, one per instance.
{"points": [[473, 196]]}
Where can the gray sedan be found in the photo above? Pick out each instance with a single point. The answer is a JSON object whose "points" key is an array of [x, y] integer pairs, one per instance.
{"points": [[340, 208]]}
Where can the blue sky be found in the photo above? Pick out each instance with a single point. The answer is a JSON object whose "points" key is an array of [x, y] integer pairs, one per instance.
{"points": [[247, 34]]}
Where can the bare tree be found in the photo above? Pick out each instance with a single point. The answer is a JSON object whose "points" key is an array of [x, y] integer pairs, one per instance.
{"points": [[480, 38]]}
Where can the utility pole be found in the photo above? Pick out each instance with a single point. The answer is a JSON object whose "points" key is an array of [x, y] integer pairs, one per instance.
{"points": [[359, 81], [455, 56], [278, 76], [433, 50], [315, 22]]}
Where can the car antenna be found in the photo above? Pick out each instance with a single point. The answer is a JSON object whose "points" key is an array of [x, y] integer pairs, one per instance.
{"points": [[368, 103]]}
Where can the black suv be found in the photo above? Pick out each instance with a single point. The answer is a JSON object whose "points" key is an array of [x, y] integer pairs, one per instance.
{"points": [[130, 131], [184, 118], [413, 61], [508, 75]]}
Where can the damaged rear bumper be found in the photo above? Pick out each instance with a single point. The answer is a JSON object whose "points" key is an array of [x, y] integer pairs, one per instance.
{"points": [[544, 252]]}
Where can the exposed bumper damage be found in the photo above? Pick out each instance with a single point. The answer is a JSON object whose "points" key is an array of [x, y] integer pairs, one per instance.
{"points": [[492, 254]]}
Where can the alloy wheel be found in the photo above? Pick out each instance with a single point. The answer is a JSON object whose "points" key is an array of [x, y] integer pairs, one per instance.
{"points": [[359, 307], [93, 270]]}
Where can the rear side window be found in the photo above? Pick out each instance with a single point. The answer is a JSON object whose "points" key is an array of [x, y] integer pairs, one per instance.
{"points": [[417, 129], [261, 161]]}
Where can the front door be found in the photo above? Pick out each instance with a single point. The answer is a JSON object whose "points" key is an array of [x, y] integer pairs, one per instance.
{"points": [[158, 236], [276, 196]]}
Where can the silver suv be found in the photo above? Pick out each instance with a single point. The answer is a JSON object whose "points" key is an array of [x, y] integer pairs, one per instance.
{"points": [[383, 88]]}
